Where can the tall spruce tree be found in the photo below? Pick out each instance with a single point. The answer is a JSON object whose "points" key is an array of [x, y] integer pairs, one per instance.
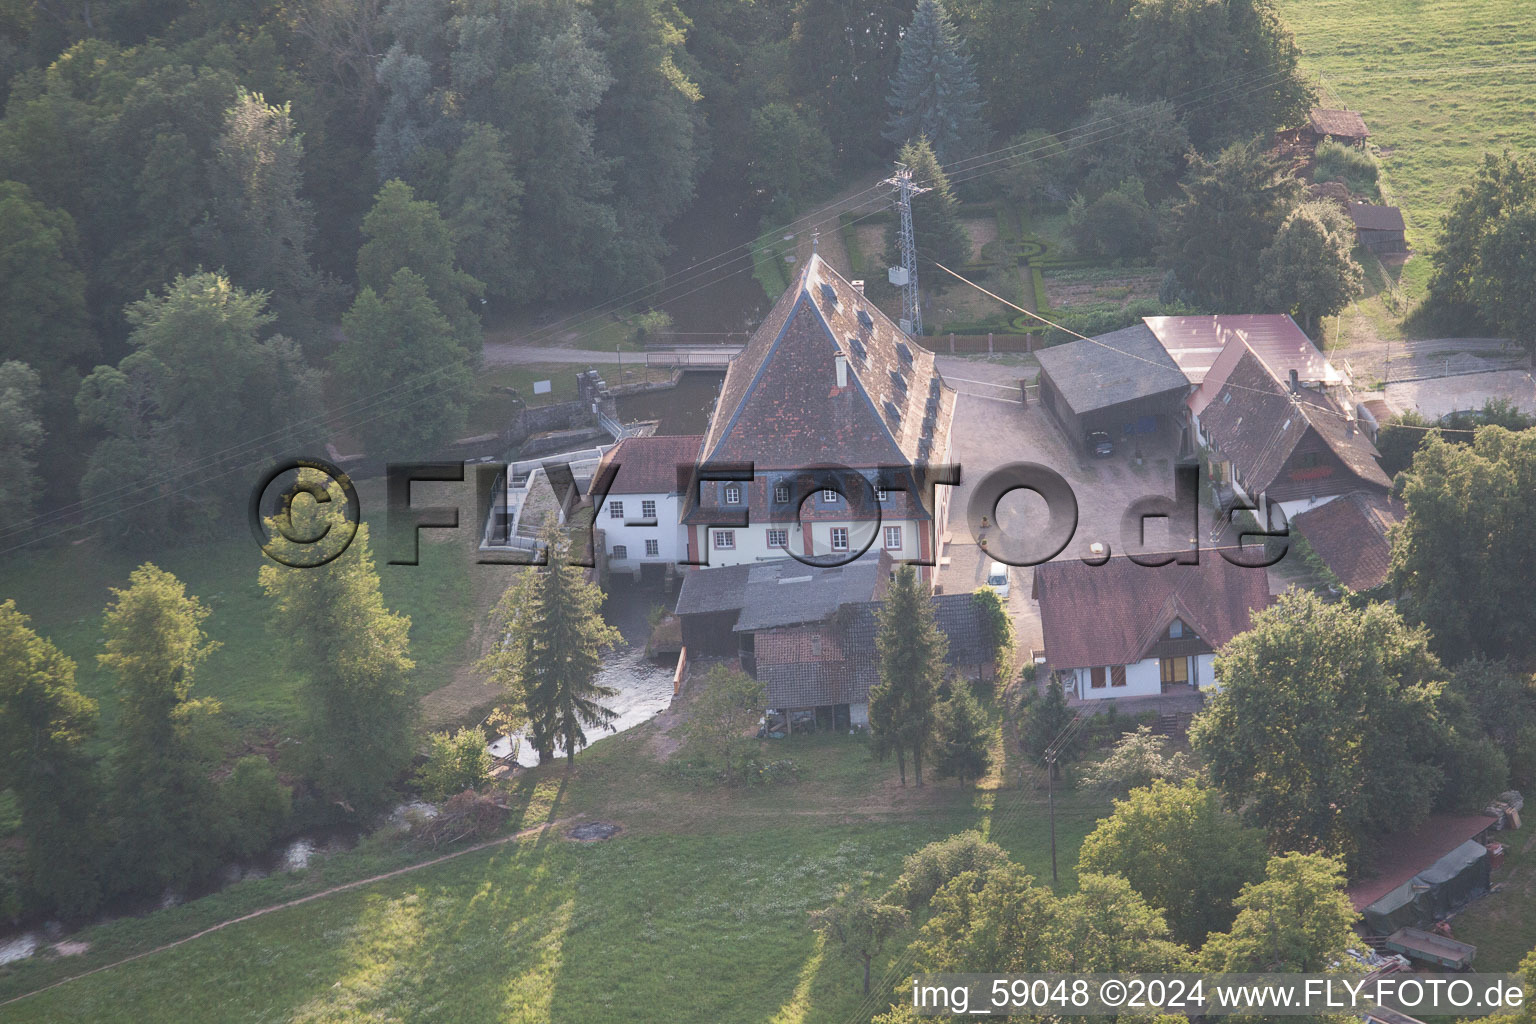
{"points": [[935, 213], [552, 639], [934, 91], [354, 656], [44, 723], [904, 706]]}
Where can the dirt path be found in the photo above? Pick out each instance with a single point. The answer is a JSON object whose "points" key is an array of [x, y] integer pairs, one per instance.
{"points": [[333, 890]]}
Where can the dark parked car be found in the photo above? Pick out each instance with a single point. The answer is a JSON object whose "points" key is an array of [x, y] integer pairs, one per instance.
{"points": [[1100, 444]]}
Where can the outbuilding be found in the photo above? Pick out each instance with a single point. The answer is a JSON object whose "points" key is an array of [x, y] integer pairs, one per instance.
{"points": [[1379, 228], [1123, 383]]}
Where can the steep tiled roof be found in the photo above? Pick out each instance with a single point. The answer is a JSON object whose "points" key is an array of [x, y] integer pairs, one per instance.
{"points": [[1256, 423], [834, 661], [1349, 534], [649, 465], [1346, 124], [1376, 218], [780, 406], [1111, 614], [1113, 368]]}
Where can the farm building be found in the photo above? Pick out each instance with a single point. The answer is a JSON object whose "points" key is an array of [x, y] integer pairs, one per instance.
{"points": [[1350, 535], [809, 633], [1379, 228], [1123, 383], [1345, 126], [1282, 442], [1123, 629]]}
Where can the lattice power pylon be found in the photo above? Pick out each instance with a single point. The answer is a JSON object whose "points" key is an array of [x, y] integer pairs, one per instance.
{"points": [[905, 276]]}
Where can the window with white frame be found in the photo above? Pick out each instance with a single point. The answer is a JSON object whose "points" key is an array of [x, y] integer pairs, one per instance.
{"points": [[839, 538], [615, 510], [647, 510], [778, 538], [652, 548], [882, 495], [732, 494], [725, 540], [893, 538], [620, 553], [830, 497], [781, 494]]}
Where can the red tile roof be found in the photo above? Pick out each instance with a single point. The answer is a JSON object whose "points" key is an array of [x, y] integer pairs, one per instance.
{"points": [[1404, 854], [780, 406], [648, 465], [1112, 614], [1349, 534]]}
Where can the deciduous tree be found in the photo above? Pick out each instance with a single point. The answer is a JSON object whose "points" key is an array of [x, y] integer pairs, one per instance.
{"points": [[1357, 691], [398, 343], [1181, 851], [165, 820], [859, 927], [1309, 270], [723, 715], [21, 434], [1297, 919], [1455, 553], [44, 723], [353, 655]]}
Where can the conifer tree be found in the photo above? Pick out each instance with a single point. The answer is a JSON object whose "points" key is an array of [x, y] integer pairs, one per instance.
{"points": [[935, 213], [934, 91], [904, 706], [552, 639]]}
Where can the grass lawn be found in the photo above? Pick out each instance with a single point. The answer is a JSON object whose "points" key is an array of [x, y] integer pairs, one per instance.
{"points": [[1435, 83], [696, 912], [65, 590]]}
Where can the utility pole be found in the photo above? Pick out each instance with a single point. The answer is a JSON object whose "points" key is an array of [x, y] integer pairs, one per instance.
{"points": [[1050, 788], [905, 276]]}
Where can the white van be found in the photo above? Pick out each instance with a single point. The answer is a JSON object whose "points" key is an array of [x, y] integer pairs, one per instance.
{"points": [[997, 579]]}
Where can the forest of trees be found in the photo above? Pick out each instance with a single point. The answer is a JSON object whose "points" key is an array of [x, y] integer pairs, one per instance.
{"points": [[304, 206]]}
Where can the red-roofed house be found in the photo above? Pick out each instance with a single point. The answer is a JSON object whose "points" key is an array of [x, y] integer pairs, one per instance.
{"points": [[827, 380], [1122, 629], [639, 519]]}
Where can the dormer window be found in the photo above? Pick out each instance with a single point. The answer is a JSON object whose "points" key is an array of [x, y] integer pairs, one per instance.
{"points": [[829, 293], [857, 347], [865, 320], [905, 352], [899, 382], [732, 494], [892, 412]]}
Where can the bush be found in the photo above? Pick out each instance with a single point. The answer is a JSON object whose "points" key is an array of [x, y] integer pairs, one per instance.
{"points": [[1118, 225], [255, 806], [467, 815], [455, 762], [1354, 167]]}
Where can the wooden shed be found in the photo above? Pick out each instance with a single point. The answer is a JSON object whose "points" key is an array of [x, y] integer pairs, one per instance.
{"points": [[1379, 228], [1345, 126]]}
